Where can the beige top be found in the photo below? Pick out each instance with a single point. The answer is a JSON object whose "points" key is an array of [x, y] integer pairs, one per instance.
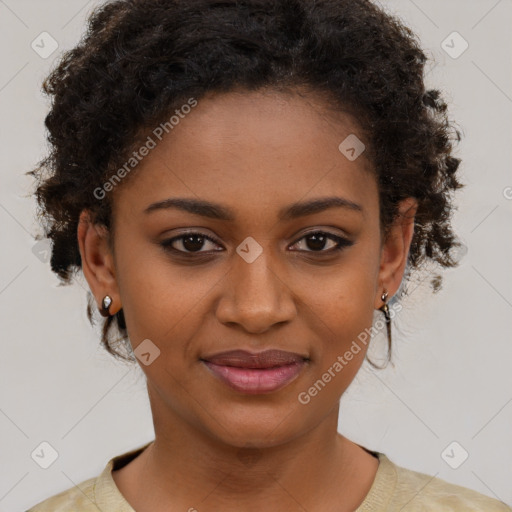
{"points": [[394, 489]]}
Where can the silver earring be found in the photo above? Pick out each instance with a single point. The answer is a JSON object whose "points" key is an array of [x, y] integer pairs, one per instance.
{"points": [[105, 303]]}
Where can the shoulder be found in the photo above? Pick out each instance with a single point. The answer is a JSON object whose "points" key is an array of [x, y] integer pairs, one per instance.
{"points": [[421, 492], [95, 494], [80, 497]]}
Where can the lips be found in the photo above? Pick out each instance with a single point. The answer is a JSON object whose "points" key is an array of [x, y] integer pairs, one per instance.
{"points": [[255, 373], [245, 359]]}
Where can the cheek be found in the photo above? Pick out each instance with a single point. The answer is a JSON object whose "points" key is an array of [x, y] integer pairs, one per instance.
{"points": [[348, 317], [343, 309], [343, 337], [162, 302], [344, 299]]}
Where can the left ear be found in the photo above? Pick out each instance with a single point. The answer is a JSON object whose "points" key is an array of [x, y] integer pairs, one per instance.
{"points": [[395, 249]]}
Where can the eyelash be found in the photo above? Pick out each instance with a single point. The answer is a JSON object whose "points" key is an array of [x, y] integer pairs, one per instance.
{"points": [[342, 243]]}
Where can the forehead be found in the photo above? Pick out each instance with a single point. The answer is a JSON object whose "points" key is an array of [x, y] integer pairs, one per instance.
{"points": [[253, 150]]}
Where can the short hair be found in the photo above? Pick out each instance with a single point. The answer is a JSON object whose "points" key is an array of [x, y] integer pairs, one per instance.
{"points": [[140, 60]]}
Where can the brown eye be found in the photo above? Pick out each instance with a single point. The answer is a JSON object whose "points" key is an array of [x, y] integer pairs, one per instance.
{"points": [[188, 243], [317, 241]]}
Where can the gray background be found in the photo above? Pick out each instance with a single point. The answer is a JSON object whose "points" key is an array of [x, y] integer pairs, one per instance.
{"points": [[452, 378]]}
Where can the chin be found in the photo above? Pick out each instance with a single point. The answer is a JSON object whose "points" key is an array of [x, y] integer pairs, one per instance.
{"points": [[256, 429]]}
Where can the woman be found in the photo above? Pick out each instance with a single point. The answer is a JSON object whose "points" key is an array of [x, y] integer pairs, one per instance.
{"points": [[243, 184]]}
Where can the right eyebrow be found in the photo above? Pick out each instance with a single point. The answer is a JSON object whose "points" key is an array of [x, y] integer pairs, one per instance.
{"points": [[195, 206]]}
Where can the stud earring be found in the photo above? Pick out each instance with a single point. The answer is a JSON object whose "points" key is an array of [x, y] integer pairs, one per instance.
{"points": [[105, 303]]}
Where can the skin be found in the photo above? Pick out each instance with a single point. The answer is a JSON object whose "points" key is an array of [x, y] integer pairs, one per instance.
{"points": [[216, 448]]}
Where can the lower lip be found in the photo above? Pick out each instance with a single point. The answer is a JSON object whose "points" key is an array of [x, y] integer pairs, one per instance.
{"points": [[255, 381]]}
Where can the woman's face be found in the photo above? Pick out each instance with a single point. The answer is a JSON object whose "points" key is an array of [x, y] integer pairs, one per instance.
{"points": [[265, 282]]}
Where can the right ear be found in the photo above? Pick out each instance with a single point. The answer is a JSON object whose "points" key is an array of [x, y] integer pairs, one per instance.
{"points": [[98, 261]]}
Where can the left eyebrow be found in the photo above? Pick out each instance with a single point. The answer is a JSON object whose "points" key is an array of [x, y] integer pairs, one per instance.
{"points": [[219, 212], [317, 205]]}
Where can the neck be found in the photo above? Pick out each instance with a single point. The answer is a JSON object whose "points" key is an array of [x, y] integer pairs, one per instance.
{"points": [[190, 470]]}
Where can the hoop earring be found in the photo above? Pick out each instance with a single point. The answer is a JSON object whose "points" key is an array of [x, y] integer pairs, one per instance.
{"points": [[105, 303], [385, 309]]}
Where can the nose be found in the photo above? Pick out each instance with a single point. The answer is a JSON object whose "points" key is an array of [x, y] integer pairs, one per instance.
{"points": [[255, 297]]}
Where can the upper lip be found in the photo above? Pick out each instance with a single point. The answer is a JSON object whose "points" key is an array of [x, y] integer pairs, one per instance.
{"points": [[246, 359]]}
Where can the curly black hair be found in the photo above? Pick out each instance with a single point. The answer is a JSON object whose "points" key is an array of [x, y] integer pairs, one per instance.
{"points": [[140, 60]]}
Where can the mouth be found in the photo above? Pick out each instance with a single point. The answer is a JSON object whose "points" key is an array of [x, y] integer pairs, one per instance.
{"points": [[256, 373]]}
